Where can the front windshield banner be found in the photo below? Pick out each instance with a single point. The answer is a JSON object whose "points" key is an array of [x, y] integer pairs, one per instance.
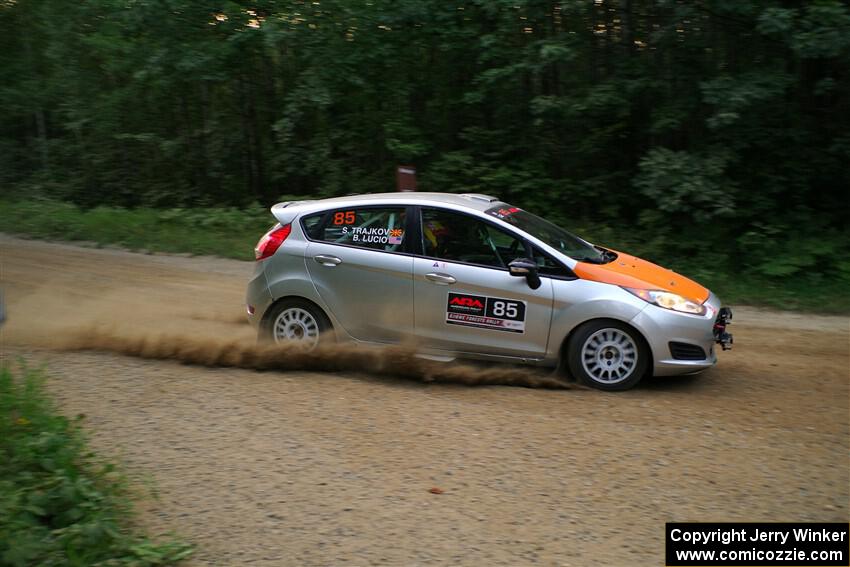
{"points": [[503, 212]]}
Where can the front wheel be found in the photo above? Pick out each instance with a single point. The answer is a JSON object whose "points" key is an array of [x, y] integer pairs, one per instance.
{"points": [[608, 355], [294, 322]]}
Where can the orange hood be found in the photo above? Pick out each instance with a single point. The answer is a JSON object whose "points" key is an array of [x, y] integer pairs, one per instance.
{"points": [[631, 271]]}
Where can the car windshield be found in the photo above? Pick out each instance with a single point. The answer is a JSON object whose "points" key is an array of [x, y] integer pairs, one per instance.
{"points": [[553, 235]]}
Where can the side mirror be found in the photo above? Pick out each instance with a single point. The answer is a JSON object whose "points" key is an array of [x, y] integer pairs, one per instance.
{"points": [[521, 267], [525, 268]]}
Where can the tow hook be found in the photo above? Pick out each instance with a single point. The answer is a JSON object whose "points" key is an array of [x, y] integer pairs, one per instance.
{"points": [[721, 337]]}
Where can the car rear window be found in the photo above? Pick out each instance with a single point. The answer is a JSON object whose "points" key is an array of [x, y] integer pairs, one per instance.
{"points": [[313, 226], [376, 228]]}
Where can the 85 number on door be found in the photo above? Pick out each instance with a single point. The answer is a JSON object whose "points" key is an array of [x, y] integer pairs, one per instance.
{"points": [[504, 309]]}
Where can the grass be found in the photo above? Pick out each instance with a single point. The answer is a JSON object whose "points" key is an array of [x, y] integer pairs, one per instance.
{"points": [[823, 297], [229, 233], [59, 504], [232, 233]]}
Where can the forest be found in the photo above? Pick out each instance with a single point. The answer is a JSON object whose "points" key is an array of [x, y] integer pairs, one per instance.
{"points": [[709, 132]]}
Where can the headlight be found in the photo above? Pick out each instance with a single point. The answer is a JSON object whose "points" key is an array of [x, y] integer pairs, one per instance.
{"points": [[668, 300]]}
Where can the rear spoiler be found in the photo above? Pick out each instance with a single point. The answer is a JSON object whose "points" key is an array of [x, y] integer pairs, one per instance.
{"points": [[286, 212]]}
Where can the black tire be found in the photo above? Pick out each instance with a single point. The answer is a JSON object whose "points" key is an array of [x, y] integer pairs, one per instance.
{"points": [[608, 355], [293, 321]]}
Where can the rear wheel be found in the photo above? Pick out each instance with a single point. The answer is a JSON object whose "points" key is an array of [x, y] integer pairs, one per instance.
{"points": [[295, 322], [608, 355]]}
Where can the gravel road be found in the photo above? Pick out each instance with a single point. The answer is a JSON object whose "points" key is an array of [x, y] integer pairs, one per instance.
{"points": [[300, 467]]}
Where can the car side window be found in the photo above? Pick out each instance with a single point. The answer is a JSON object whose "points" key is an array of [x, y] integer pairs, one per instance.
{"points": [[374, 228], [456, 237]]}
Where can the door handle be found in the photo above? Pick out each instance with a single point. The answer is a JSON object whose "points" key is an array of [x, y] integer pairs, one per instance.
{"points": [[329, 261], [440, 279]]}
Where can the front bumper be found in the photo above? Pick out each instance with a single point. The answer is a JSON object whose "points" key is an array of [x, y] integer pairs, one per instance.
{"points": [[670, 333]]}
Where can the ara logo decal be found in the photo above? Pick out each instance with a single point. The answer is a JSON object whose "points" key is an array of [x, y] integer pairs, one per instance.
{"points": [[466, 302], [463, 303]]}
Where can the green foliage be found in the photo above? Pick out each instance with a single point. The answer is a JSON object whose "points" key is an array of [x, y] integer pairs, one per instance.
{"points": [[684, 184], [733, 97], [59, 505], [227, 232], [711, 129], [820, 30]]}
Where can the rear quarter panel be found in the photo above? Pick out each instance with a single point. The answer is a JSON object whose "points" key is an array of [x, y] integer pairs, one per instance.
{"points": [[287, 275]]}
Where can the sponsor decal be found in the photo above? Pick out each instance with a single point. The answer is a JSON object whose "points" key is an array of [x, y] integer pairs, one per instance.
{"points": [[486, 312], [396, 235]]}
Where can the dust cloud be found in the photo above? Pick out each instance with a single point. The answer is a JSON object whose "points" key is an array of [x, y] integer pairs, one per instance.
{"points": [[398, 361], [150, 326]]}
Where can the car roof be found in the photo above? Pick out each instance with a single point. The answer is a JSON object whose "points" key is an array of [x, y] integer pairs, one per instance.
{"points": [[473, 201]]}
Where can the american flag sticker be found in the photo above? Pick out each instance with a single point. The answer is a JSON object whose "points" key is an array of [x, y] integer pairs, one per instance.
{"points": [[396, 236]]}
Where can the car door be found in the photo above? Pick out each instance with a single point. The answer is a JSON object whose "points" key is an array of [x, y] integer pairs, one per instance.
{"points": [[356, 257], [464, 298]]}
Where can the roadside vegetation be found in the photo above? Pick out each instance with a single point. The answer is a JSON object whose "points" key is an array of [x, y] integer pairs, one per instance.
{"points": [[708, 136], [59, 504], [811, 280], [225, 232]]}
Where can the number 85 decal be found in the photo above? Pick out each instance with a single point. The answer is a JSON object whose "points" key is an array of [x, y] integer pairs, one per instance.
{"points": [[505, 309], [344, 217]]}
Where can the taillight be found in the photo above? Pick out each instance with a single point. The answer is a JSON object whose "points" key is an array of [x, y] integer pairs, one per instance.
{"points": [[271, 241]]}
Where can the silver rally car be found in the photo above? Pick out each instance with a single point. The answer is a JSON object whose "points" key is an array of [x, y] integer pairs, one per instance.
{"points": [[472, 277]]}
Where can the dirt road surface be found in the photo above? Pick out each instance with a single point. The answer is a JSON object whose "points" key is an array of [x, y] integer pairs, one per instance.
{"points": [[299, 467]]}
